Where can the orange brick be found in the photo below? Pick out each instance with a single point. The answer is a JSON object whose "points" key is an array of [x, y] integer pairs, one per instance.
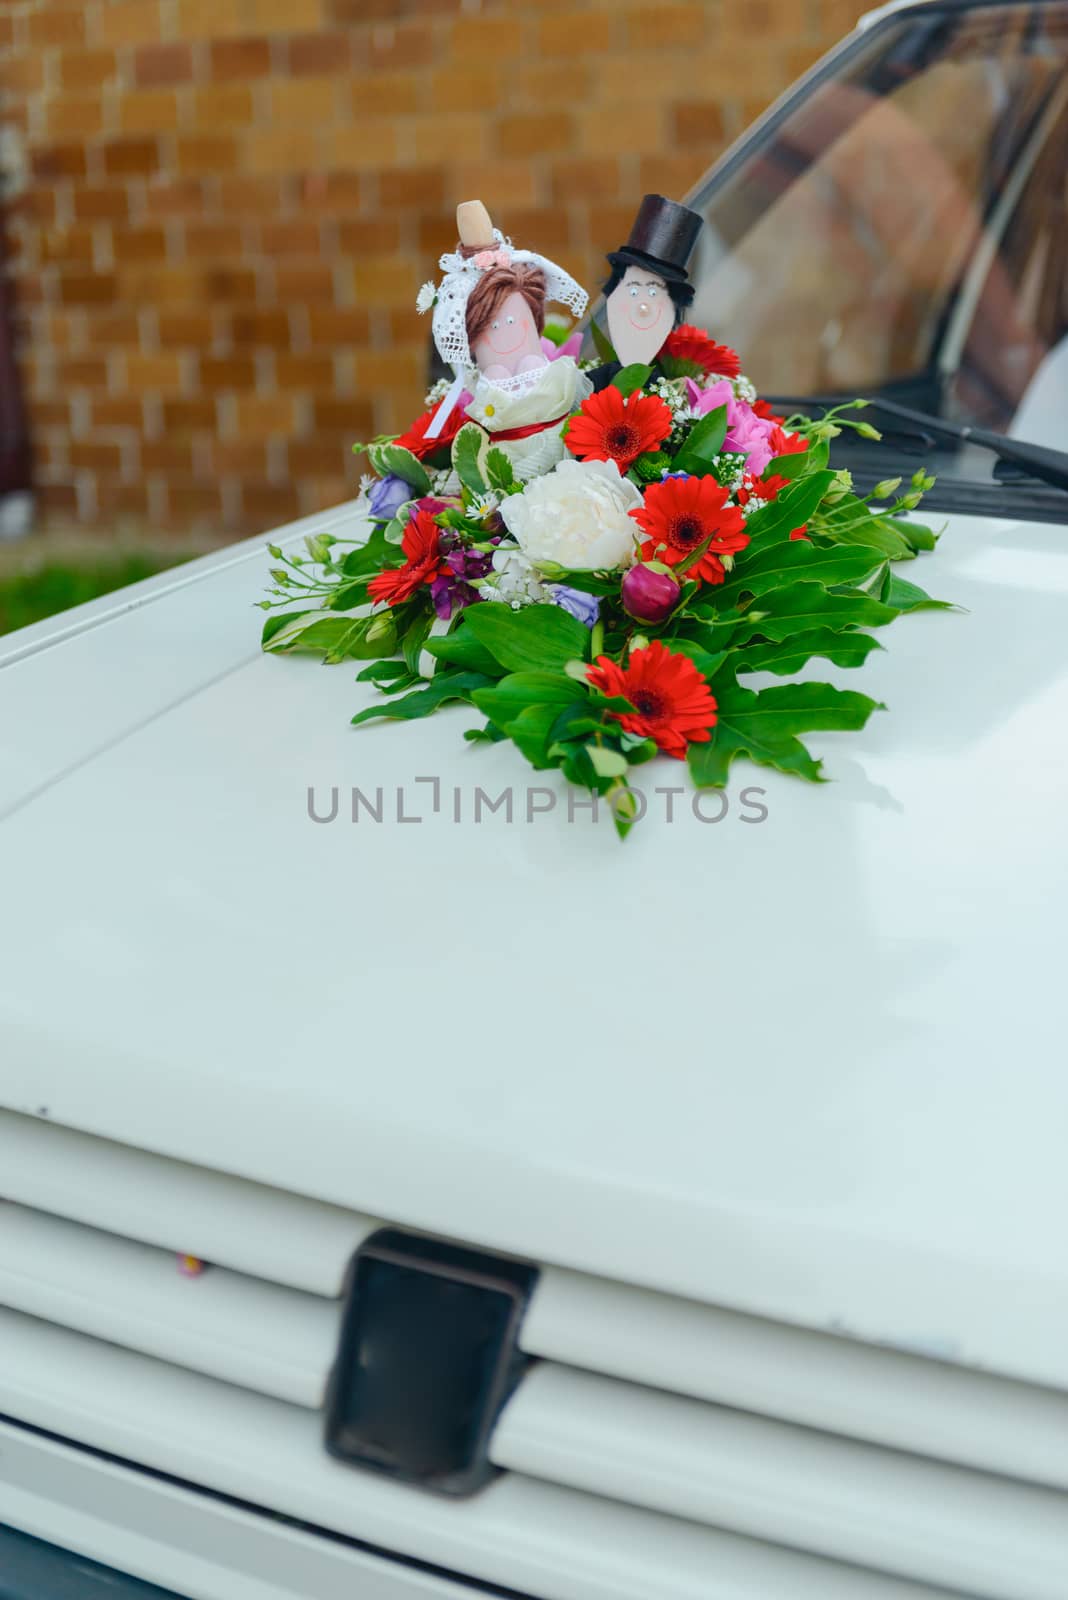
{"points": [[224, 105], [162, 372], [370, 235], [192, 329], [304, 281], [58, 161], [537, 133], [461, 86], [159, 65], [86, 69], [22, 74], [129, 21], [285, 16], [303, 371], [414, 44], [386, 94], [82, 372], [497, 183], [183, 416], [206, 152], [488, 41], [160, 285], [449, 130], [370, 142], [139, 244], [211, 19], [665, 27], [200, 503], [291, 238], [319, 52], [281, 149], [246, 457], [615, 130], [56, 27], [116, 411], [261, 415], [305, 102], [167, 455], [698, 122], [268, 327], [58, 499], [438, 233], [223, 282], [386, 280], [585, 179], [95, 455], [101, 205], [381, 370], [87, 288], [74, 119], [270, 504], [245, 196], [670, 175], [131, 158], [175, 199], [227, 372], [213, 239], [110, 328], [308, 457], [121, 502], [148, 111], [240, 58], [555, 83], [568, 36], [338, 325], [332, 192]]}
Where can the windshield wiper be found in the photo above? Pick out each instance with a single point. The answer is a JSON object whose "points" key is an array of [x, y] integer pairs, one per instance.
{"points": [[1051, 466]]}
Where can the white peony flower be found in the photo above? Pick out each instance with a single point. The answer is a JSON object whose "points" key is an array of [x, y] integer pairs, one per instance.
{"points": [[513, 579], [576, 516], [426, 296]]}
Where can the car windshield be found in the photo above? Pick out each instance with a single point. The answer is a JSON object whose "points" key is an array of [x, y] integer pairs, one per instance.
{"points": [[900, 227]]}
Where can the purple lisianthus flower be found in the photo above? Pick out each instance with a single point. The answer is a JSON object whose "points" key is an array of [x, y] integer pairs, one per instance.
{"points": [[450, 595], [469, 563], [585, 607], [747, 434], [387, 495]]}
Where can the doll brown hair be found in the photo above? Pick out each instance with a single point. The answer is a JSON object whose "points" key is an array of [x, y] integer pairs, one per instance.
{"points": [[492, 290]]}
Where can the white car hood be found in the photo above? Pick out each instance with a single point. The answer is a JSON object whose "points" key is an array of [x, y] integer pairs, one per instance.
{"points": [[811, 1067]]}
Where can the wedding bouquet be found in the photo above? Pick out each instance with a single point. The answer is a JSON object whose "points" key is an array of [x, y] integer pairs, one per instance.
{"points": [[610, 610]]}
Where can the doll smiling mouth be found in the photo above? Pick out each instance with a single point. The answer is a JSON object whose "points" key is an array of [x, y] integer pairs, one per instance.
{"points": [[506, 349], [645, 323]]}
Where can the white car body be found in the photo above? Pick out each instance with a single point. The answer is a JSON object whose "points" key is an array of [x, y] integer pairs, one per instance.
{"points": [[776, 1103]]}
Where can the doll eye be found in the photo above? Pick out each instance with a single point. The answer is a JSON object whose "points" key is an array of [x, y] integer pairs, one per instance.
{"points": [[496, 325], [634, 291], [509, 320], [652, 291]]}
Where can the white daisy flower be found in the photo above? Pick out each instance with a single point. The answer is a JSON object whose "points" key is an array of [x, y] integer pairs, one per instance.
{"points": [[426, 296]]}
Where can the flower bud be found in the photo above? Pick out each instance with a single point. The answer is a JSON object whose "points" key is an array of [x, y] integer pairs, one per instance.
{"points": [[866, 431], [650, 594]]}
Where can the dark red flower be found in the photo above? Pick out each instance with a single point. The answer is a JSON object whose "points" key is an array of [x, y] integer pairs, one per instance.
{"points": [[416, 440], [763, 410], [672, 702], [423, 563], [609, 428], [760, 488], [680, 514], [687, 343], [801, 532]]}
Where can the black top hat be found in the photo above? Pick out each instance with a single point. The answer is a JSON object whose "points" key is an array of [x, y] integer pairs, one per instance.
{"points": [[662, 239]]}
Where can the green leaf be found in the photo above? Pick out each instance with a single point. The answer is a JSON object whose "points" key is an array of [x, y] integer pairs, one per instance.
{"points": [[442, 688], [535, 637], [335, 638], [703, 443], [499, 470], [607, 763], [279, 620], [904, 596], [368, 558], [602, 343], [531, 732], [773, 565], [415, 637], [503, 702], [462, 649], [393, 458], [765, 725], [917, 535], [465, 452], [804, 606], [845, 649], [850, 522], [790, 510], [631, 378]]}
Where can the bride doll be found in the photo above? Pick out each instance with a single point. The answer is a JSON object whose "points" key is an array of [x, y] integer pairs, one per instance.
{"points": [[489, 312]]}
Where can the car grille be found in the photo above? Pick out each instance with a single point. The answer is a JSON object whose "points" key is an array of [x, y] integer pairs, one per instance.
{"points": [[655, 1441]]}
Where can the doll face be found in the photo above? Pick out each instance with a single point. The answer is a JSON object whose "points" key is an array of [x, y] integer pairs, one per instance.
{"points": [[508, 344], [640, 315]]}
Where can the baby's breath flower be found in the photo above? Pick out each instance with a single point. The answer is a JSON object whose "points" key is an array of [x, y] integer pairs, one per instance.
{"points": [[436, 392], [744, 389]]}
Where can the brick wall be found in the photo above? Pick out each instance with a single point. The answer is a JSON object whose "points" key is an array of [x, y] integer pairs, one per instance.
{"points": [[222, 210]]}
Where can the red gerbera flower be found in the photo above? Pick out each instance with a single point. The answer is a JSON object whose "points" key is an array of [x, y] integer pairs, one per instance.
{"points": [[609, 428], [761, 488], [786, 444], [680, 514], [416, 440], [763, 409], [423, 563], [673, 703], [687, 343]]}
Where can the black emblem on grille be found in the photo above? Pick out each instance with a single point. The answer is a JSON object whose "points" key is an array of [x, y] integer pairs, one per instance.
{"points": [[428, 1357]]}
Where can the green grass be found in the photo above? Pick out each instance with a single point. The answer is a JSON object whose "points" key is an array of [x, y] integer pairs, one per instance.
{"points": [[26, 597]]}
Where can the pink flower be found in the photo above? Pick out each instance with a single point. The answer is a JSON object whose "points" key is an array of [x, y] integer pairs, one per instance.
{"points": [[570, 347], [492, 258], [746, 432]]}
